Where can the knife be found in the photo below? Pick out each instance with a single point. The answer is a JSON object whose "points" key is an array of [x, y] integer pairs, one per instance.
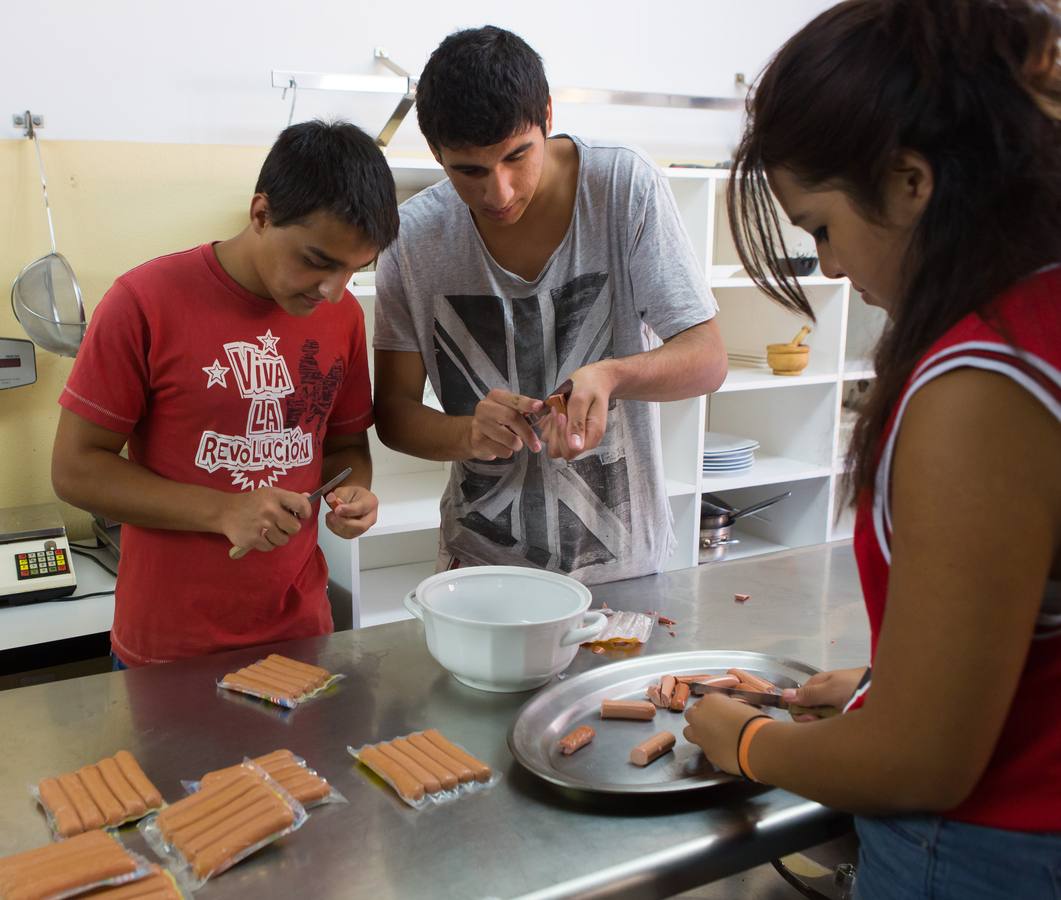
{"points": [[240, 552], [757, 698]]}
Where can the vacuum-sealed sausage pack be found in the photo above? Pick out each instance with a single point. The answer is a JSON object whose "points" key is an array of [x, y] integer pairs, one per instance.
{"points": [[69, 868], [102, 795], [289, 771], [425, 767], [213, 829], [280, 680]]}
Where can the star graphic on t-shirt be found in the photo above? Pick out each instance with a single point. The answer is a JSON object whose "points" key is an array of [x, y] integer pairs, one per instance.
{"points": [[217, 374], [269, 342]]}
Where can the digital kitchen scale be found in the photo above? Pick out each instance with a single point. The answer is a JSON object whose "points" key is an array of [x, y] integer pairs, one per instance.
{"points": [[35, 558]]}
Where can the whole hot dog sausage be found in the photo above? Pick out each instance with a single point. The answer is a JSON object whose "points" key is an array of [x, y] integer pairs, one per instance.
{"points": [[136, 777], [70, 867], [130, 800], [214, 857], [754, 682], [298, 665], [446, 778], [67, 821], [113, 811], [652, 749], [204, 802], [307, 788], [576, 739], [291, 687], [463, 773], [431, 784], [182, 836], [271, 665], [253, 684], [157, 886], [480, 769], [390, 771], [265, 804], [276, 756], [87, 811], [628, 709]]}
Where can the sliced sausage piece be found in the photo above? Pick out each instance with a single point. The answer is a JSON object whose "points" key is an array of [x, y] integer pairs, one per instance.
{"points": [[653, 694], [119, 785], [576, 739], [754, 682], [666, 689], [136, 777], [627, 709], [446, 778], [247, 834], [715, 680], [64, 814], [113, 811], [430, 782], [480, 769], [652, 749], [87, 811], [394, 774], [463, 773], [680, 698]]}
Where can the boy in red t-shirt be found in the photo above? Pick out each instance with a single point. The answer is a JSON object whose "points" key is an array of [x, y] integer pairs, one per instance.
{"points": [[238, 390]]}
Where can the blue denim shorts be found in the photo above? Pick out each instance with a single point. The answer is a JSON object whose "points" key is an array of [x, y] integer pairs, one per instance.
{"points": [[911, 857], [116, 664]]}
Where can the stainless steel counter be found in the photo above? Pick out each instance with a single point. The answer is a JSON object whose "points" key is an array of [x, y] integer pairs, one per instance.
{"points": [[521, 838]]}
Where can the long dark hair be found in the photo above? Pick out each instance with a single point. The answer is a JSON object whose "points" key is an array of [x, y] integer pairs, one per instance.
{"points": [[974, 86]]}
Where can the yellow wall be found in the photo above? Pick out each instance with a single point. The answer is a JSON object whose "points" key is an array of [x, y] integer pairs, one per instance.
{"points": [[115, 205]]}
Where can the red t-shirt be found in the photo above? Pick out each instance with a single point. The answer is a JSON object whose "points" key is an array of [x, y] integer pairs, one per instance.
{"points": [[1021, 789], [218, 387]]}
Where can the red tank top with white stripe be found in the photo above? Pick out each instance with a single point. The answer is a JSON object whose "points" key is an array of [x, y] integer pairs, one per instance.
{"points": [[1021, 788]]}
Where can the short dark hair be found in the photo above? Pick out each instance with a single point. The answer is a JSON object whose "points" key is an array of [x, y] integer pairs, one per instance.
{"points": [[332, 167], [481, 86]]}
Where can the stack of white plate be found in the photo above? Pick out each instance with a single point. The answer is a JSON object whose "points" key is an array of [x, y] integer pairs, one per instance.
{"points": [[747, 358], [725, 453]]}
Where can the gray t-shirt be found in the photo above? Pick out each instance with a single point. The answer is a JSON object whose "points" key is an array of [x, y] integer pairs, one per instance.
{"points": [[623, 274]]}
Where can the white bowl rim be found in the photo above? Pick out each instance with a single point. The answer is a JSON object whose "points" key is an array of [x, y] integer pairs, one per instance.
{"points": [[524, 571]]}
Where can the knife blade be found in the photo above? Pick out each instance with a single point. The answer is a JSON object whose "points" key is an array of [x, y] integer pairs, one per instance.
{"points": [[240, 552], [757, 698]]}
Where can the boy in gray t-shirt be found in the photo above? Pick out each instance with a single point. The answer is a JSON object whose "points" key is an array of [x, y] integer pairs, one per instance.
{"points": [[538, 261]]}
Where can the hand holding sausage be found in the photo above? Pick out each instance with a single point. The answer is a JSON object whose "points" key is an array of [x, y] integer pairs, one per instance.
{"points": [[586, 421], [714, 724], [827, 689], [498, 429], [353, 511]]}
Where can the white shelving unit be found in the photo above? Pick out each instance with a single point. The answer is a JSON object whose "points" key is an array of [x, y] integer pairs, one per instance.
{"points": [[795, 419]]}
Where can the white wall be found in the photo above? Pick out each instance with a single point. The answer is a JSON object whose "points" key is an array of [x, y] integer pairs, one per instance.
{"points": [[199, 72]]}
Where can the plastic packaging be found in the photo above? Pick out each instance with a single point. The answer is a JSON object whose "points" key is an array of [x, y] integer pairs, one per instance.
{"points": [[624, 629], [157, 882], [288, 770], [238, 682], [452, 785], [192, 872]]}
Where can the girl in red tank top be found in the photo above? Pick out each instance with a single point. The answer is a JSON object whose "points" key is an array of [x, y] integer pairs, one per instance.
{"points": [[919, 142]]}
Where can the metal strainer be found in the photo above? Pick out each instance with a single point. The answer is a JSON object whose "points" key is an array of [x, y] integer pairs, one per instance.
{"points": [[46, 298]]}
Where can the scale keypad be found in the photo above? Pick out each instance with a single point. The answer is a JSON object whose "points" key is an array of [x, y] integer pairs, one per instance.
{"points": [[41, 564]]}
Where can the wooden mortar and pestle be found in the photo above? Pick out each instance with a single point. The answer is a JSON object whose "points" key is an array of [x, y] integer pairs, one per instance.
{"points": [[790, 358]]}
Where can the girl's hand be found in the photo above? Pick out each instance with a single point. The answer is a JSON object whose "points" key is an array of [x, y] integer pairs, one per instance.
{"points": [[714, 724], [828, 689]]}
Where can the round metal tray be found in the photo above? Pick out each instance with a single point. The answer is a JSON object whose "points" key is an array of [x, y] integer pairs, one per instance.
{"points": [[603, 766]]}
